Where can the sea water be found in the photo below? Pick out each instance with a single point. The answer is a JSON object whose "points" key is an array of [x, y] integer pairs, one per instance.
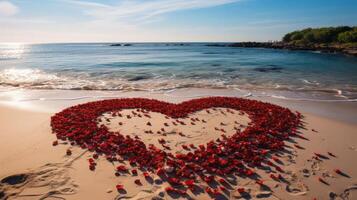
{"points": [[167, 67]]}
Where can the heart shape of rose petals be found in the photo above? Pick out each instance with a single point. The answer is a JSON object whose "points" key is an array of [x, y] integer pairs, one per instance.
{"points": [[270, 126]]}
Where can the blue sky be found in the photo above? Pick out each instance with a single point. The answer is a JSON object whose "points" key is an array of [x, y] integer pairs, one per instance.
{"points": [[36, 21]]}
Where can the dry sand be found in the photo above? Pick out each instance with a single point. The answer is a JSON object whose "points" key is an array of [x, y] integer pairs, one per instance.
{"points": [[38, 170]]}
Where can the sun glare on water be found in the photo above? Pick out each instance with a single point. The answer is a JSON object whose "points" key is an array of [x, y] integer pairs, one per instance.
{"points": [[12, 50], [25, 75]]}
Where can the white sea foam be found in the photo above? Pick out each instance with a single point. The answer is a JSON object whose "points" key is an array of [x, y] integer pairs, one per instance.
{"points": [[25, 76], [310, 82], [70, 80]]}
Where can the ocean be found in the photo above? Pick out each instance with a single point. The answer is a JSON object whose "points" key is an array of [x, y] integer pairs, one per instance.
{"points": [[167, 67]]}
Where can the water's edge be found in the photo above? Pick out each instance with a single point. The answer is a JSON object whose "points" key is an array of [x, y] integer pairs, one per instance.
{"points": [[56, 100]]}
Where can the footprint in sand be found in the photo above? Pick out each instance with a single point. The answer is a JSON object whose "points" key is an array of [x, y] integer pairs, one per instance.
{"points": [[315, 166], [10, 184], [327, 174], [297, 189], [352, 148], [349, 192], [49, 181], [15, 179], [263, 194], [306, 173]]}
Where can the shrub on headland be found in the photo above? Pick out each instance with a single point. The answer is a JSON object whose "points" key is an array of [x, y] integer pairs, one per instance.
{"points": [[341, 34], [349, 36]]}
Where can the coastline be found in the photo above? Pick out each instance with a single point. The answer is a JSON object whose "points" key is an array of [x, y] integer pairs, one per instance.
{"points": [[50, 171], [323, 48]]}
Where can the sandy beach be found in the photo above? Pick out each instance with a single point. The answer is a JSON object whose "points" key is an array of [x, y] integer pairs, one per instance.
{"points": [[178, 99], [32, 168]]}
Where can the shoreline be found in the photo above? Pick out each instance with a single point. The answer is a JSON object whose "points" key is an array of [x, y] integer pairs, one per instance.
{"points": [[56, 100], [330, 49], [68, 177]]}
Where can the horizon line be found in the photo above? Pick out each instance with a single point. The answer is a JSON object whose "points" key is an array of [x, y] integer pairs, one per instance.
{"points": [[127, 42]]}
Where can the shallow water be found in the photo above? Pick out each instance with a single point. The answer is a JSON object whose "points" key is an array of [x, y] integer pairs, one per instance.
{"points": [[166, 67]]}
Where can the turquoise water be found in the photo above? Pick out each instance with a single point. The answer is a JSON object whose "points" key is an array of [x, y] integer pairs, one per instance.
{"points": [[166, 67]]}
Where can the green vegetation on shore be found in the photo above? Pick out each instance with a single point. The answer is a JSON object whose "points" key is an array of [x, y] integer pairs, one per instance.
{"points": [[328, 35], [342, 39]]}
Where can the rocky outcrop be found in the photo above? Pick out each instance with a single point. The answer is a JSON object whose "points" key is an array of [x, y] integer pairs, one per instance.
{"points": [[119, 45], [325, 48]]}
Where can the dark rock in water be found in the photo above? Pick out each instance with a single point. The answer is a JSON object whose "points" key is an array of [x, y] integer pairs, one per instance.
{"points": [[138, 78], [119, 45], [352, 52], [15, 179], [329, 48], [216, 65], [252, 44], [229, 70], [268, 69], [115, 45], [177, 44], [234, 76], [272, 65], [216, 45]]}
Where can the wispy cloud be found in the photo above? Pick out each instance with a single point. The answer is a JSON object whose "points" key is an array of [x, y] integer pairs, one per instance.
{"points": [[88, 4], [7, 8], [141, 10]]}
